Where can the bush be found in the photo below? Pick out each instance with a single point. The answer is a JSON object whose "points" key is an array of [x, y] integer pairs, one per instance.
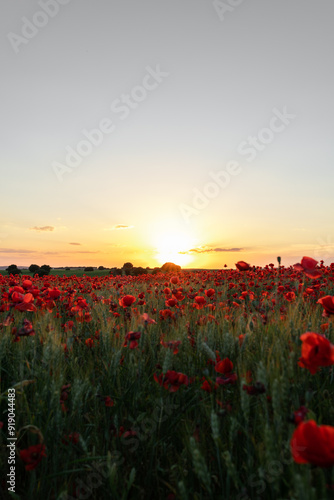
{"points": [[114, 271], [13, 269], [136, 271], [127, 265], [44, 270], [34, 268], [89, 269], [169, 267]]}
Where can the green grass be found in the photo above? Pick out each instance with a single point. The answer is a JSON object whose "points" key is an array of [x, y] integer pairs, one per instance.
{"points": [[63, 272], [191, 443]]}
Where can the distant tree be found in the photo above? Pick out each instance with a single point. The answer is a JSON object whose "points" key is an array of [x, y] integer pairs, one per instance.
{"points": [[89, 268], [137, 271], [170, 267], [127, 268], [67, 268], [13, 269], [44, 270], [114, 271], [127, 265], [156, 270], [34, 268], [101, 268]]}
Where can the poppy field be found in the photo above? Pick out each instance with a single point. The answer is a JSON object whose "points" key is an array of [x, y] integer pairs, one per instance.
{"points": [[189, 385]]}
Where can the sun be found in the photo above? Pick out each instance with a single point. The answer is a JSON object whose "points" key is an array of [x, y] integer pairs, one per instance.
{"points": [[169, 245]]}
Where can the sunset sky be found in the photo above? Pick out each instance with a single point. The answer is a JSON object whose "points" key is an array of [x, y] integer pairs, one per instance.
{"points": [[215, 140]]}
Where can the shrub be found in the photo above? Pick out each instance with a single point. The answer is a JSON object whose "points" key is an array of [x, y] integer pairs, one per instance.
{"points": [[170, 267], [34, 268], [127, 265], [136, 271], [13, 269]]}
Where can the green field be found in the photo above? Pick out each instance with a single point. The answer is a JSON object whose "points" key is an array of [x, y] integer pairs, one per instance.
{"points": [[198, 400]]}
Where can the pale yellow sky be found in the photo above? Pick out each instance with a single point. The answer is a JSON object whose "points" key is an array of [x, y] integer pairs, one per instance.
{"points": [[203, 135]]}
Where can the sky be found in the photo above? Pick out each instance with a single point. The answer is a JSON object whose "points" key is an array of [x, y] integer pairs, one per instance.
{"points": [[196, 132]]}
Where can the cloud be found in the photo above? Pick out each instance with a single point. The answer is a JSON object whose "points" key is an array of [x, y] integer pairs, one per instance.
{"points": [[14, 250], [84, 251], [120, 226], [42, 228], [209, 250], [74, 243]]}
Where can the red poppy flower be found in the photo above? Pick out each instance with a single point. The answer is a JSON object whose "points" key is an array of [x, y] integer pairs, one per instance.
{"points": [[108, 401], [27, 284], [32, 456], [312, 444], [89, 342], [54, 293], [147, 320], [172, 344], [200, 302], [172, 380], [171, 302], [127, 300], [26, 330], [308, 265], [166, 313], [209, 386], [290, 296], [327, 303], [300, 415], [241, 338], [210, 292], [178, 295], [317, 351], [27, 303], [132, 337], [68, 325], [225, 366], [242, 266]]}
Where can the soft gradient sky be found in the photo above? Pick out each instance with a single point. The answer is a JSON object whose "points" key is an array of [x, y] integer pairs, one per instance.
{"points": [[225, 71]]}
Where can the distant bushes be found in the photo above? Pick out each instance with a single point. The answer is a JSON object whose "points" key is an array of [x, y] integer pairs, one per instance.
{"points": [[13, 269], [34, 268], [128, 269], [43, 270], [169, 267]]}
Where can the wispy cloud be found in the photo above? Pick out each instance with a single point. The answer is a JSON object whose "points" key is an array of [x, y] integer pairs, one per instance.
{"points": [[84, 251], [42, 228], [205, 249], [119, 226], [14, 250], [78, 244]]}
